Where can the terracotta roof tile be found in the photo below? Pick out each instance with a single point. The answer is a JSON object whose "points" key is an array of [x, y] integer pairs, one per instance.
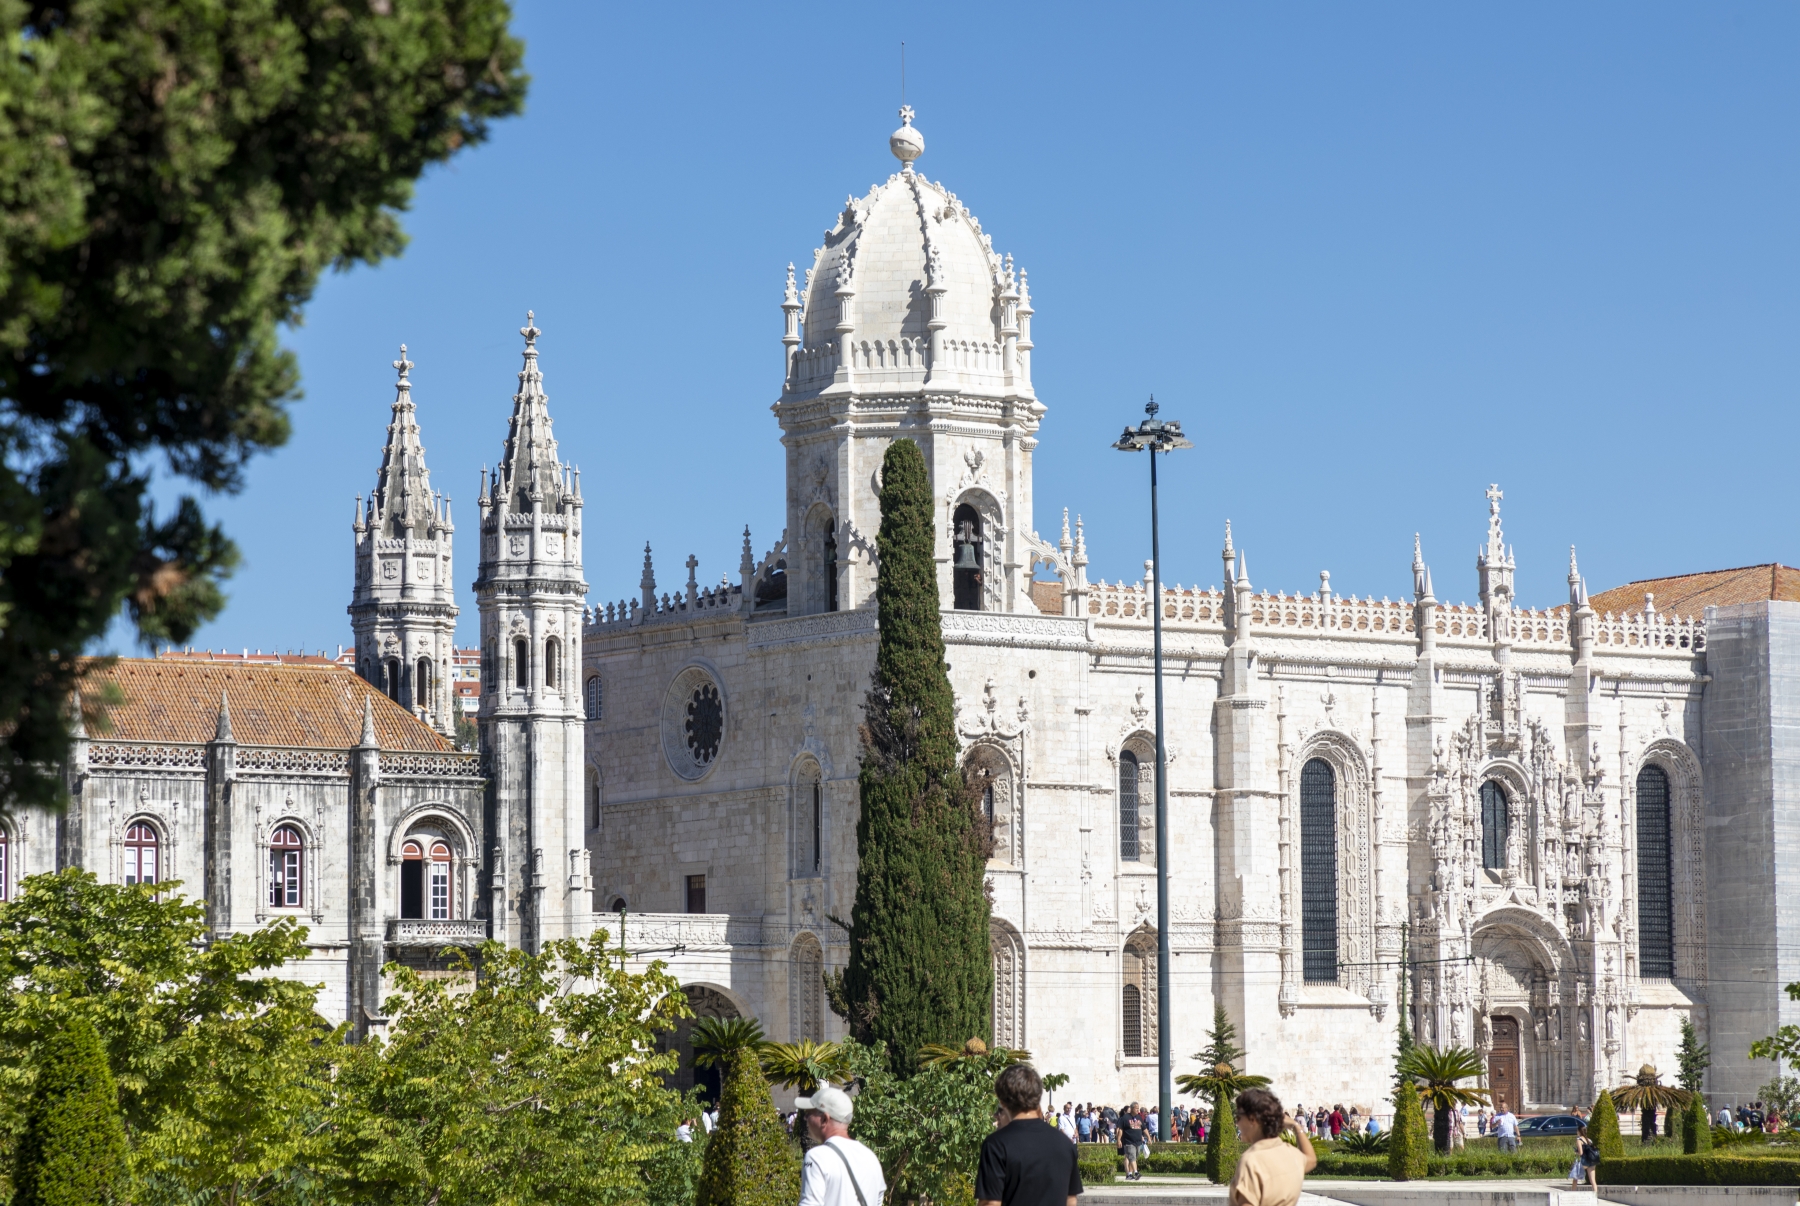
{"points": [[1688, 594], [1048, 596], [306, 706]]}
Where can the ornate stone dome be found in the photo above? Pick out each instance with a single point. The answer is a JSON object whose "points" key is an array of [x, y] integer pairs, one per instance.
{"points": [[908, 249]]}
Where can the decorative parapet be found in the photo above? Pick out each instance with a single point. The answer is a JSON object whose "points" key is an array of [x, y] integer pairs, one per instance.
{"points": [[283, 760], [463, 931], [1345, 617], [1013, 630], [828, 625], [721, 600], [143, 755], [661, 934], [431, 766]]}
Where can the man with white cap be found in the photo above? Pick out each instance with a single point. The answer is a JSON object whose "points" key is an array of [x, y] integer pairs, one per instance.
{"points": [[839, 1171]]}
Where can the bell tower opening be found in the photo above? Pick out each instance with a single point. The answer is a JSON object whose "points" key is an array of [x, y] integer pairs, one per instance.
{"points": [[831, 568], [967, 565]]}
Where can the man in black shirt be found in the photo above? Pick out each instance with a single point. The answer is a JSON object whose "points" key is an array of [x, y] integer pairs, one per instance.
{"points": [[1027, 1162], [1133, 1137]]}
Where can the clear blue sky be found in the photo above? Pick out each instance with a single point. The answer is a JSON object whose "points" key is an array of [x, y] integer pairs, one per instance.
{"points": [[1373, 256]]}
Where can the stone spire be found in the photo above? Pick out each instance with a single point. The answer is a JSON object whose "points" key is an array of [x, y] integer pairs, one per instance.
{"points": [[222, 729], [647, 582], [368, 740], [402, 503], [1424, 602], [1581, 614], [530, 477], [1495, 567]]}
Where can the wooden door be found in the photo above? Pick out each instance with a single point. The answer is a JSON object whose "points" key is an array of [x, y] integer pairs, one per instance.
{"points": [[1503, 1065]]}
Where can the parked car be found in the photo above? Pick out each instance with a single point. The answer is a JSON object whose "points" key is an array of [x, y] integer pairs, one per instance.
{"points": [[1550, 1124]]}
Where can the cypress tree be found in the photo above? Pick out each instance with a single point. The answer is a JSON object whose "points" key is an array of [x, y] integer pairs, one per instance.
{"points": [[1408, 1145], [1696, 1128], [1223, 1146], [920, 970], [73, 1150], [750, 1159], [1603, 1127]]}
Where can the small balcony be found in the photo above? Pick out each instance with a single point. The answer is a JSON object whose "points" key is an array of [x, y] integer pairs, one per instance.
{"points": [[408, 931]]}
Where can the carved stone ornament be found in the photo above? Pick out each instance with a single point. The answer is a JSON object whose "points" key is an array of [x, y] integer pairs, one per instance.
{"points": [[693, 723]]}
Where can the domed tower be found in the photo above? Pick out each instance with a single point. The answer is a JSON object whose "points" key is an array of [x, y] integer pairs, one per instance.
{"points": [[530, 592], [909, 325], [403, 609]]}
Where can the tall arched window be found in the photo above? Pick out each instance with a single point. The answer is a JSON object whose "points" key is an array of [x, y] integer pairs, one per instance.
{"points": [[143, 851], [592, 700], [521, 664], [830, 568], [1318, 872], [806, 989], [287, 855], [437, 882], [412, 879], [967, 563], [1137, 999], [422, 683], [390, 673], [808, 825], [1656, 919], [1129, 846], [550, 651], [1493, 826]]}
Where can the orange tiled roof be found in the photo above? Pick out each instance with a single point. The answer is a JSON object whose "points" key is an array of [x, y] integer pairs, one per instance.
{"points": [[310, 706], [1688, 594], [1048, 596]]}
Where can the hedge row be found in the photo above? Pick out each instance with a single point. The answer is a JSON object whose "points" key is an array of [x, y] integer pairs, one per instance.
{"points": [[1098, 1169], [1700, 1170]]}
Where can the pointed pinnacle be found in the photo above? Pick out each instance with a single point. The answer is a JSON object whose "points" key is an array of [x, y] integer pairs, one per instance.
{"points": [[368, 741], [223, 730]]}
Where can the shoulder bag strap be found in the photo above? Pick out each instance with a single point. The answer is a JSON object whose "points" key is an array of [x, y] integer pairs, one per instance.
{"points": [[851, 1172]]}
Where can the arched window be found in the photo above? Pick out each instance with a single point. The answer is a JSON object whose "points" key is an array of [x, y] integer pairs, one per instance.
{"points": [[593, 792], [1318, 871], [521, 664], [1493, 826], [143, 850], [550, 651], [412, 880], [1656, 919], [966, 524], [1138, 998], [1128, 807], [390, 674], [422, 683], [5, 865], [593, 697], [437, 885], [806, 989], [490, 673], [830, 568], [287, 854], [808, 823]]}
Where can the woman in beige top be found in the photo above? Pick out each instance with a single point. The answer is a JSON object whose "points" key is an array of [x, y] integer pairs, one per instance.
{"points": [[1270, 1172]]}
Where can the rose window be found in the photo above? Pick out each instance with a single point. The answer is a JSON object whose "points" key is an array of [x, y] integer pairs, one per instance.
{"points": [[705, 723]]}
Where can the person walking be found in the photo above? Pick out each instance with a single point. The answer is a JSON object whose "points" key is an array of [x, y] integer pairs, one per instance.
{"points": [[1131, 1137], [1456, 1127], [838, 1170], [1506, 1125], [1065, 1122], [1027, 1162], [1269, 1172], [1587, 1160]]}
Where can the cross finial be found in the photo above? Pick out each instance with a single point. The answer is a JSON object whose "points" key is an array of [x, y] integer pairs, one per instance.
{"points": [[404, 365], [1494, 495], [1151, 407], [906, 115], [530, 330]]}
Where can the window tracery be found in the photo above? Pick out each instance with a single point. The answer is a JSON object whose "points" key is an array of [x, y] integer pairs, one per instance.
{"points": [[1138, 1021], [287, 859], [1318, 872], [806, 989], [1655, 902], [143, 854]]}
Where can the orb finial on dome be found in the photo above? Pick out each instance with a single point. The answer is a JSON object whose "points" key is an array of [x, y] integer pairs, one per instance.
{"points": [[906, 143]]}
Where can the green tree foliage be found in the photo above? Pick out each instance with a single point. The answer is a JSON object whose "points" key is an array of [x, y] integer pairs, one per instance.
{"points": [[927, 1128], [1223, 1144], [1219, 1059], [1435, 1073], [1603, 1127], [1696, 1127], [1409, 1150], [176, 177], [750, 1158], [73, 1149], [217, 1063], [920, 968], [1784, 1045], [1693, 1057], [804, 1065], [537, 1082]]}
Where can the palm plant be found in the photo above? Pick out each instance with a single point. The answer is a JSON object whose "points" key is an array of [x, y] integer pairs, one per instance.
{"points": [[1361, 1143], [717, 1039], [804, 1065], [1219, 1057], [1435, 1072], [1647, 1094], [972, 1054]]}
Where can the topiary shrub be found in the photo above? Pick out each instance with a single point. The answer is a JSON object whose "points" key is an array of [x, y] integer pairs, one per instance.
{"points": [[1696, 1128], [1099, 1169], [73, 1150], [750, 1160], [1222, 1143], [1603, 1128], [1409, 1145]]}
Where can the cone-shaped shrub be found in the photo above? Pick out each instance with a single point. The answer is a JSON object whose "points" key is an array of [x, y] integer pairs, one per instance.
{"points": [[1222, 1143], [1603, 1128], [1409, 1147], [73, 1150], [750, 1159], [1696, 1127], [920, 970]]}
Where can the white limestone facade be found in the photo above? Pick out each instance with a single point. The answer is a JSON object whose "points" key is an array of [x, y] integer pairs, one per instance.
{"points": [[1344, 774]]}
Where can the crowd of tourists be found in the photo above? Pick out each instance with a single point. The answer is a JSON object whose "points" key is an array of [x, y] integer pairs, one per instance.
{"points": [[1090, 1123]]}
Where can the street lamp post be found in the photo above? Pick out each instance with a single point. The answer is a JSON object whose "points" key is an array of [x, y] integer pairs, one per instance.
{"points": [[1154, 435]]}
